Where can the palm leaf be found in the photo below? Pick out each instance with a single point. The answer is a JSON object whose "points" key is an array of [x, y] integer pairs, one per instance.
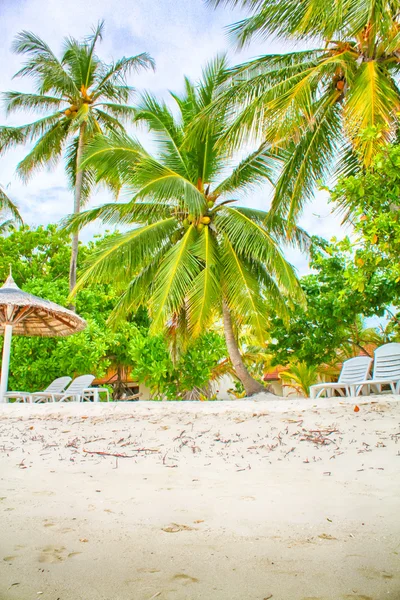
{"points": [[130, 250], [371, 105], [242, 291], [204, 295], [177, 271], [8, 205], [46, 151]]}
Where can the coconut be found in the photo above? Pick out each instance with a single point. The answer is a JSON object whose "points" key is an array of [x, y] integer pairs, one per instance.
{"points": [[200, 227], [185, 223], [191, 218], [210, 204], [67, 113], [205, 220], [175, 237], [340, 85]]}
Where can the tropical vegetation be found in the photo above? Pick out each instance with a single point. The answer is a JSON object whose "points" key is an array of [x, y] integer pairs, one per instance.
{"points": [[323, 112], [191, 255], [79, 95], [40, 259], [193, 283]]}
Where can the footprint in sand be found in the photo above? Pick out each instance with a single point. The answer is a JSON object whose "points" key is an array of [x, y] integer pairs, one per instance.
{"points": [[9, 558], [371, 573], [144, 570], [357, 597], [176, 527], [184, 578], [52, 554], [59, 529]]}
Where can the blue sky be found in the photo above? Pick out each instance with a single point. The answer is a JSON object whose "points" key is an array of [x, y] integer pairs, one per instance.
{"points": [[180, 34]]}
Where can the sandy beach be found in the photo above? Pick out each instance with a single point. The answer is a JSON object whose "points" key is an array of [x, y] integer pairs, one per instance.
{"points": [[245, 500]]}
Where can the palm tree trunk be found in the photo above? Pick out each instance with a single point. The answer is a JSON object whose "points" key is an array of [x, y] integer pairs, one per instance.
{"points": [[77, 209], [251, 386]]}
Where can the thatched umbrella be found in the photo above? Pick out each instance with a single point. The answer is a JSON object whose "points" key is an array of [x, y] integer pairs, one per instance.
{"points": [[25, 314]]}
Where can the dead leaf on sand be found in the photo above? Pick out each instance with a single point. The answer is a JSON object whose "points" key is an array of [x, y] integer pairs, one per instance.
{"points": [[176, 527], [326, 536], [83, 540]]}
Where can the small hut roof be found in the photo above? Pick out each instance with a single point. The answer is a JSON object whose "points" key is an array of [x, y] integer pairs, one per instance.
{"points": [[33, 316]]}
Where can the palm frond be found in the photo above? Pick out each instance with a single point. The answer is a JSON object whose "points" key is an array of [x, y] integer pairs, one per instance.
{"points": [[91, 68], [119, 111], [370, 110], [12, 136], [242, 291], [47, 150], [118, 71], [43, 65], [119, 214], [177, 271], [9, 206], [253, 241], [309, 160], [255, 169], [113, 157], [152, 178], [14, 101], [204, 295], [168, 134], [121, 257]]}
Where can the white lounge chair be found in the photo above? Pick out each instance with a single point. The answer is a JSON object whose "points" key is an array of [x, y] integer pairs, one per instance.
{"points": [[354, 372], [56, 386], [386, 369], [75, 391]]}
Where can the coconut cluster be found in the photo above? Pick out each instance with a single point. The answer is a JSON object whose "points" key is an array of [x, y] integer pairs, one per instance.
{"points": [[73, 109], [200, 222]]}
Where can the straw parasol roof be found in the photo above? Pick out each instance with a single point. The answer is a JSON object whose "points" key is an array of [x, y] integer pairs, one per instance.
{"points": [[33, 316]]}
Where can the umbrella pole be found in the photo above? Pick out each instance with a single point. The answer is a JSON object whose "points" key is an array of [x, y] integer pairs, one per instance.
{"points": [[5, 363]]}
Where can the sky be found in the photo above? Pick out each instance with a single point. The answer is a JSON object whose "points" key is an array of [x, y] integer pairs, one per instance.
{"points": [[181, 35]]}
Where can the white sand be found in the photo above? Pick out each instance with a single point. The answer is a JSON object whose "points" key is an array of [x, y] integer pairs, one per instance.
{"points": [[217, 500]]}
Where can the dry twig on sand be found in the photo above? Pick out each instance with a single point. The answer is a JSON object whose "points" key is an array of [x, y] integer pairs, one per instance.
{"points": [[150, 450]]}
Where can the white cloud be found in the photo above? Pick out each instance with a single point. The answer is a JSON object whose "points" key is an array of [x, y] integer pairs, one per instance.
{"points": [[180, 34]]}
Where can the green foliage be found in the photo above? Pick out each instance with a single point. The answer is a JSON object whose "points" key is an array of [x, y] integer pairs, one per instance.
{"points": [[372, 200], [331, 321], [323, 112], [300, 376], [327, 19], [191, 245], [35, 362], [193, 370], [40, 262]]}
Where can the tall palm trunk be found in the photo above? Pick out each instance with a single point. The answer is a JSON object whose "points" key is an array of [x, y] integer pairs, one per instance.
{"points": [[77, 208], [251, 386]]}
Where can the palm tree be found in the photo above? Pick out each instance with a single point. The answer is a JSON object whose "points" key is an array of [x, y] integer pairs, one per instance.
{"points": [[80, 96], [327, 111], [9, 212], [192, 255], [300, 376]]}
